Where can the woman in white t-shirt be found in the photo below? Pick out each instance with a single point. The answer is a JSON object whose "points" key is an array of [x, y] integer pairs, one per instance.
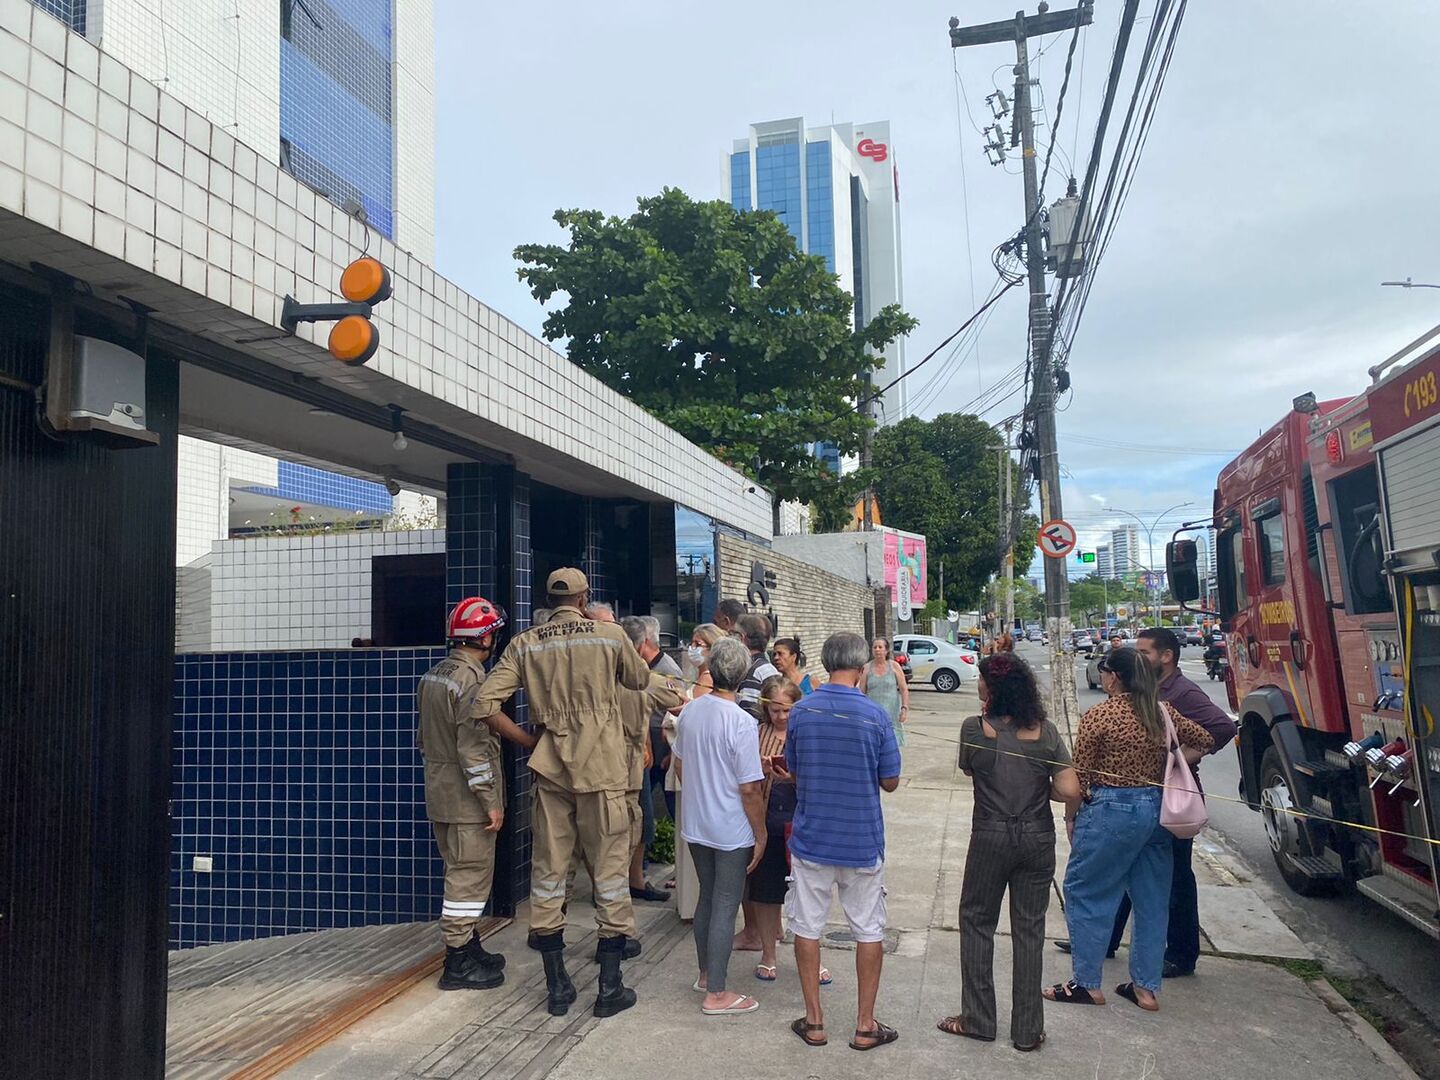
{"points": [[722, 816]]}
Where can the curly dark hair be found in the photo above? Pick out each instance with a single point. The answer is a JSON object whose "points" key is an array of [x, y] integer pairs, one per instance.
{"points": [[1013, 692]]}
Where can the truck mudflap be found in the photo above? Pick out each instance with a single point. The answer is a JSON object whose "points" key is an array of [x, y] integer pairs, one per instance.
{"points": [[1266, 720]]}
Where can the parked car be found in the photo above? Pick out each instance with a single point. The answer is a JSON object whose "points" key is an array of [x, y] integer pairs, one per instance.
{"points": [[1035, 635], [1192, 636], [1092, 669], [935, 661]]}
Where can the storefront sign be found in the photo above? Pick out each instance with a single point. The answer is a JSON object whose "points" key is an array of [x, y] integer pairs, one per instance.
{"points": [[908, 552]]}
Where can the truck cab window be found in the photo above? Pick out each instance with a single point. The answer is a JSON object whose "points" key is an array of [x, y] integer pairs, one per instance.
{"points": [[1270, 546], [1230, 571], [1355, 503]]}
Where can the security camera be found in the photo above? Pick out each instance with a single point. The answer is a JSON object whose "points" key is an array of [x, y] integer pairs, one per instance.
{"points": [[393, 487], [750, 490]]}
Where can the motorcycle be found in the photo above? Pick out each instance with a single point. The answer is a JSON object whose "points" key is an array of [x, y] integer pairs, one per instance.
{"points": [[1216, 666]]}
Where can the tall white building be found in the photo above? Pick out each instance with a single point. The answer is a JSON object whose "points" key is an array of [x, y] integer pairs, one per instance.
{"points": [[837, 188], [338, 93], [1126, 554], [1104, 562]]}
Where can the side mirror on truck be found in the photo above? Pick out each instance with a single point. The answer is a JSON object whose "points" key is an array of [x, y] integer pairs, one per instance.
{"points": [[1182, 563]]}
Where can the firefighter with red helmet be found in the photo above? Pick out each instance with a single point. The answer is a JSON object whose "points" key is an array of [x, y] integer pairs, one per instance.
{"points": [[464, 789]]}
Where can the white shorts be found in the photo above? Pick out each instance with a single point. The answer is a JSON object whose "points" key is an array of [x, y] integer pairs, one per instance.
{"points": [[862, 897]]}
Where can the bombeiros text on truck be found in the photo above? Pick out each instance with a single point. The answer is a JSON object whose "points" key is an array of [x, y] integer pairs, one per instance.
{"points": [[1328, 592]]}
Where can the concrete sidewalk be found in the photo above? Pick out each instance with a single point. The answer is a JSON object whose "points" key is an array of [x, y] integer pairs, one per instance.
{"points": [[1237, 1018]]}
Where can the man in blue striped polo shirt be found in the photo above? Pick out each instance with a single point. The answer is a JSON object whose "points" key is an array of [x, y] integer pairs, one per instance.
{"points": [[841, 750]]}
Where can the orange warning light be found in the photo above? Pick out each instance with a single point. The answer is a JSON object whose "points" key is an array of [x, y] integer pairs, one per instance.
{"points": [[365, 281], [354, 339]]}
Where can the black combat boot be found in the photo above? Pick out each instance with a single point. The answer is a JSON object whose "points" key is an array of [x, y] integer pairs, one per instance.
{"points": [[488, 960], [464, 972], [615, 996], [557, 979], [632, 949]]}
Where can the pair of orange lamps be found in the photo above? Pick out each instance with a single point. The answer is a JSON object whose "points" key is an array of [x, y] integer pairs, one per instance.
{"points": [[354, 339]]}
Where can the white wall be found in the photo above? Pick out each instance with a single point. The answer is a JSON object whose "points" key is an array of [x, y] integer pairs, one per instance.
{"points": [[310, 592], [414, 84], [205, 472], [226, 69]]}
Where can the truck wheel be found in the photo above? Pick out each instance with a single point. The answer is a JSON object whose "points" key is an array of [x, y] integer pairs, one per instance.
{"points": [[1282, 829], [946, 681]]}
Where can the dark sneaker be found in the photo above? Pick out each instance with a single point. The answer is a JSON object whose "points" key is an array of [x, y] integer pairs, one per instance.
{"points": [[1172, 970]]}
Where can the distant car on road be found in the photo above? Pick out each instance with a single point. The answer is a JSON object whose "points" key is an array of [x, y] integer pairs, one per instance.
{"points": [[1092, 669], [1083, 641], [1193, 636], [935, 661], [1034, 635]]}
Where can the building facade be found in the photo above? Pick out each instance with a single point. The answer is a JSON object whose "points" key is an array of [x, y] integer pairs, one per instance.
{"points": [[837, 189], [1126, 555]]}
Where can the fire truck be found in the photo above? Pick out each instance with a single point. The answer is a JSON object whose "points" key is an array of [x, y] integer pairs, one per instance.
{"points": [[1328, 579]]}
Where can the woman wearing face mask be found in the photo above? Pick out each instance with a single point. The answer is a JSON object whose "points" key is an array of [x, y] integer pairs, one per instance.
{"points": [[696, 671]]}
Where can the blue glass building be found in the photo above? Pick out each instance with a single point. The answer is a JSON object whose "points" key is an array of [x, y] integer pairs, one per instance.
{"points": [[337, 101]]}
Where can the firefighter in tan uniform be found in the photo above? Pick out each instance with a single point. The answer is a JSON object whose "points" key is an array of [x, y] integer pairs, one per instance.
{"points": [[573, 669], [464, 790]]}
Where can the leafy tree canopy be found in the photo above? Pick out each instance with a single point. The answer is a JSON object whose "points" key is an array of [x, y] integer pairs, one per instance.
{"points": [[940, 477], [712, 319]]}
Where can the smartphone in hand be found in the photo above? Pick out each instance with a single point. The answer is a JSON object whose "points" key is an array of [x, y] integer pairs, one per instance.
{"points": [[777, 763]]}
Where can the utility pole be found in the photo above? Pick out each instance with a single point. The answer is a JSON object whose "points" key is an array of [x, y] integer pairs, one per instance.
{"points": [[1064, 708], [1009, 536]]}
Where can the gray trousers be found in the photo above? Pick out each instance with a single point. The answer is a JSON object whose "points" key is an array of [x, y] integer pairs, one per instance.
{"points": [[1018, 856], [722, 884]]}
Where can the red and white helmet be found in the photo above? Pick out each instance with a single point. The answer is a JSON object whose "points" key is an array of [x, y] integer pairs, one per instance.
{"points": [[475, 619]]}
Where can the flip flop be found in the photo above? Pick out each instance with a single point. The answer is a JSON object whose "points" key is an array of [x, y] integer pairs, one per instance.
{"points": [[883, 1035], [1127, 991], [734, 1008], [825, 977], [951, 1026], [771, 968], [1070, 993], [802, 1029]]}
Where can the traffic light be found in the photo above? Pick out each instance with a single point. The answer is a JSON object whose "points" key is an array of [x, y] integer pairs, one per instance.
{"points": [[354, 339]]}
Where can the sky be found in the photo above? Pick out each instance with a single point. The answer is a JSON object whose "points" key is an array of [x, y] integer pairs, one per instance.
{"points": [[1291, 168]]}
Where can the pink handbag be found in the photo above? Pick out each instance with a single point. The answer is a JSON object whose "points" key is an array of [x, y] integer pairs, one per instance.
{"points": [[1182, 806]]}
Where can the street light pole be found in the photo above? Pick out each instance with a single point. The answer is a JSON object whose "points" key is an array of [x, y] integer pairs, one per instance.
{"points": [[1408, 284], [1150, 546]]}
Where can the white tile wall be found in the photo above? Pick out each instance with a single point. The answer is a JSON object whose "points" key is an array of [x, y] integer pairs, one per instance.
{"points": [[219, 57], [414, 83], [309, 592], [453, 360], [205, 472]]}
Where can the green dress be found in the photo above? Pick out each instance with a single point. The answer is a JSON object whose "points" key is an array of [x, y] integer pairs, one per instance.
{"points": [[884, 690]]}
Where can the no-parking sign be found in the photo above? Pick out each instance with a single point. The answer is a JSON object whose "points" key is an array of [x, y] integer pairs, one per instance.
{"points": [[1056, 538]]}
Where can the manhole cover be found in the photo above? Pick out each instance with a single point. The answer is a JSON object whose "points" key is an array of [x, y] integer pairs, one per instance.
{"points": [[840, 935]]}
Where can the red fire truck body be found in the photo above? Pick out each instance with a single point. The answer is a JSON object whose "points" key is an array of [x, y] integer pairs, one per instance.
{"points": [[1328, 579]]}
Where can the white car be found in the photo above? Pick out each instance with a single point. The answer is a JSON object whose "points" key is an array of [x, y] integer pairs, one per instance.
{"points": [[936, 661]]}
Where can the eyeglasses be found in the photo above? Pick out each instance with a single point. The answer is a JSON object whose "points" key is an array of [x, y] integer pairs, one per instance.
{"points": [[1104, 666]]}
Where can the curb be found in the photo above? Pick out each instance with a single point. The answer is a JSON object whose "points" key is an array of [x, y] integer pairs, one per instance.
{"points": [[1360, 1028]]}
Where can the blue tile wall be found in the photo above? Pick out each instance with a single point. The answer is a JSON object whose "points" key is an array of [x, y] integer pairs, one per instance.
{"points": [[297, 772], [596, 570], [470, 540], [337, 99], [305, 484], [70, 12]]}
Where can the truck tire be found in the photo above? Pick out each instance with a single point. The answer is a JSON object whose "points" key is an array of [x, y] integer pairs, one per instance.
{"points": [[946, 681], [1287, 838]]}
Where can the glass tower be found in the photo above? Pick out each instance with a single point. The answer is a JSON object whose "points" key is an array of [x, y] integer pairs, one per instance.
{"points": [[337, 101]]}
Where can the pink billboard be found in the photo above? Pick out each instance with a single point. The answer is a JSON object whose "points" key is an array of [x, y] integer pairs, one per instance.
{"points": [[909, 552]]}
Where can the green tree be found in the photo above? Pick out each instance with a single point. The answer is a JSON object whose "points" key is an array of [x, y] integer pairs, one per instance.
{"points": [[714, 321], [939, 477]]}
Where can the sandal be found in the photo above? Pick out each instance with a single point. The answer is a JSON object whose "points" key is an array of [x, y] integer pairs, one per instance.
{"points": [[825, 977], [883, 1035], [766, 967], [698, 988], [735, 1007], [1071, 993], [1033, 1046], [1127, 991], [804, 1030], [951, 1025]]}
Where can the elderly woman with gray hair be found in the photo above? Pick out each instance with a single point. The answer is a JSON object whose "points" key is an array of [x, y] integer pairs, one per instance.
{"points": [[722, 817]]}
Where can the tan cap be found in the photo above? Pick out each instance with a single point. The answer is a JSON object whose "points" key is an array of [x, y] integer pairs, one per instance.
{"points": [[567, 581]]}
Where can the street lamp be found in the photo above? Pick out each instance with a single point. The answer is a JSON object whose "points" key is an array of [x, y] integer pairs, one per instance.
{"points": [[1408, 284], [1150, 538]]}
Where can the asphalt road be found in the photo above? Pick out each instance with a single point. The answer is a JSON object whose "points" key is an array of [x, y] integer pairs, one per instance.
{"points": [[1347, 927]]}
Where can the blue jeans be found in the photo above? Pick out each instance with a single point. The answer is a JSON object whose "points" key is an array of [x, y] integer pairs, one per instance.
{"points": [[1119, 847]]}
